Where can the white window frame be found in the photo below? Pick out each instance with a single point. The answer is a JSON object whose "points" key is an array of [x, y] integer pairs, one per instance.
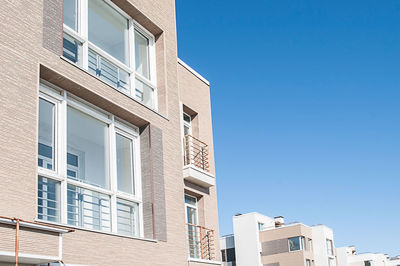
{"points": [[329, 247], [82, 37], [302, 239], [62, 100], [187, 205]]}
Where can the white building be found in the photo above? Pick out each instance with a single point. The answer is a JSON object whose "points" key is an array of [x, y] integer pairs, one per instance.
{"points": [[347, 256], [260, 240]]}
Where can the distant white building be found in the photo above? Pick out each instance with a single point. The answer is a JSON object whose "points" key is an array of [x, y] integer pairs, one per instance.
{"points": [[259, 240], [347, 256]]}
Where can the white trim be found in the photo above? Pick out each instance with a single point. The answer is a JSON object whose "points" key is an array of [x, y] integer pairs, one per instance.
{"points": [[193, 71], [33, 225], [213, 262], [27, 256]]}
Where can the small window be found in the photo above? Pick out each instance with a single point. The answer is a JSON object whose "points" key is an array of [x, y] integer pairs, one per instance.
{"points": [[142, 55], [46, 134], [223, 254], [260, 226], [71, 14], [48, 199], [308, 262], [296, 243], [367, 263], [124, 150], [329, 247], [127, 213]]}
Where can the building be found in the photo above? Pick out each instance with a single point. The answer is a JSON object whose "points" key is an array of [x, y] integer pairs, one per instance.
{"points": [[347, 256], [107, 148], [227, 246], [395, 261], [260, 240]]}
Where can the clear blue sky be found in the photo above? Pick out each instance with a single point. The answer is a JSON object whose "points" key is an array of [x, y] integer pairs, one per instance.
{"points": [[306, 111]]}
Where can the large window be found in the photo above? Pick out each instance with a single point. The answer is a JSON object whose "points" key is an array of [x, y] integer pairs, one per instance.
{"points": [[105, 41], [87, 166]]}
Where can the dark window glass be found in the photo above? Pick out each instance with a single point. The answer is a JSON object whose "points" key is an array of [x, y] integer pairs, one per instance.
{"points": [[230, 254]]}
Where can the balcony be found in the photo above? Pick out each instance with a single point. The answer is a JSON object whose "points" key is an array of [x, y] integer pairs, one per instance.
{"points": [[201, 242], [196, 166]]}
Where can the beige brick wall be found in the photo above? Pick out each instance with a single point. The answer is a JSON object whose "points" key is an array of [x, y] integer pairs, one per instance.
{"points": [[30, 241], [195, 94], [21, 54]]}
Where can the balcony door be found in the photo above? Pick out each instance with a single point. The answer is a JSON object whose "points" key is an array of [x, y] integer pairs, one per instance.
{"points": [[194, 238]]}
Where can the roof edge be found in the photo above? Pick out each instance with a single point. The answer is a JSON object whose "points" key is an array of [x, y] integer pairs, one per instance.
{"points": [[193, 71]]}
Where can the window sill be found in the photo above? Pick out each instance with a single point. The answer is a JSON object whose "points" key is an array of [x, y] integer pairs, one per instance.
{"points": [[102, 81], [96, 231], [213, 262]]}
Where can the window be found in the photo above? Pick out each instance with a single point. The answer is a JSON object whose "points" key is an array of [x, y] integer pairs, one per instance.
{"points": [[367, 263], [296, 243], [89, 179], [329, 247], [46, 134], [308, 262], [223, 254], [260, 226], [124, 151], [308, 244], [71, 14], [86, 148], [192, 225], [331, 262], [109, 44], [108, 30], [48, 199]]}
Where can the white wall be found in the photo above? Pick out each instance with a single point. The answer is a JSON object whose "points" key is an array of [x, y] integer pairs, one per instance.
{"points": [[320, 233], [247, 242]]}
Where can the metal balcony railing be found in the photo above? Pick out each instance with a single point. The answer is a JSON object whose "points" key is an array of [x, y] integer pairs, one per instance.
{"points": [[201, 242], [196, 153]]}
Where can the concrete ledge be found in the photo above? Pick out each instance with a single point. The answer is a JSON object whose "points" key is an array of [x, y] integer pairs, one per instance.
{"points": [[198, 176]]}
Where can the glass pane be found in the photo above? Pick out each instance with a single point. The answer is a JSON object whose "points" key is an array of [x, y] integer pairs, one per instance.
{"points": [[70, 14], [142, 55], [108, 30], [191, 215], [190, 200], [294, 243], [46, 134], [88, 209], [124, 164], [86, 141], [144, 93], [187, 118], [127, 213], [48, 200], [194, 241], [72, 49]]}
